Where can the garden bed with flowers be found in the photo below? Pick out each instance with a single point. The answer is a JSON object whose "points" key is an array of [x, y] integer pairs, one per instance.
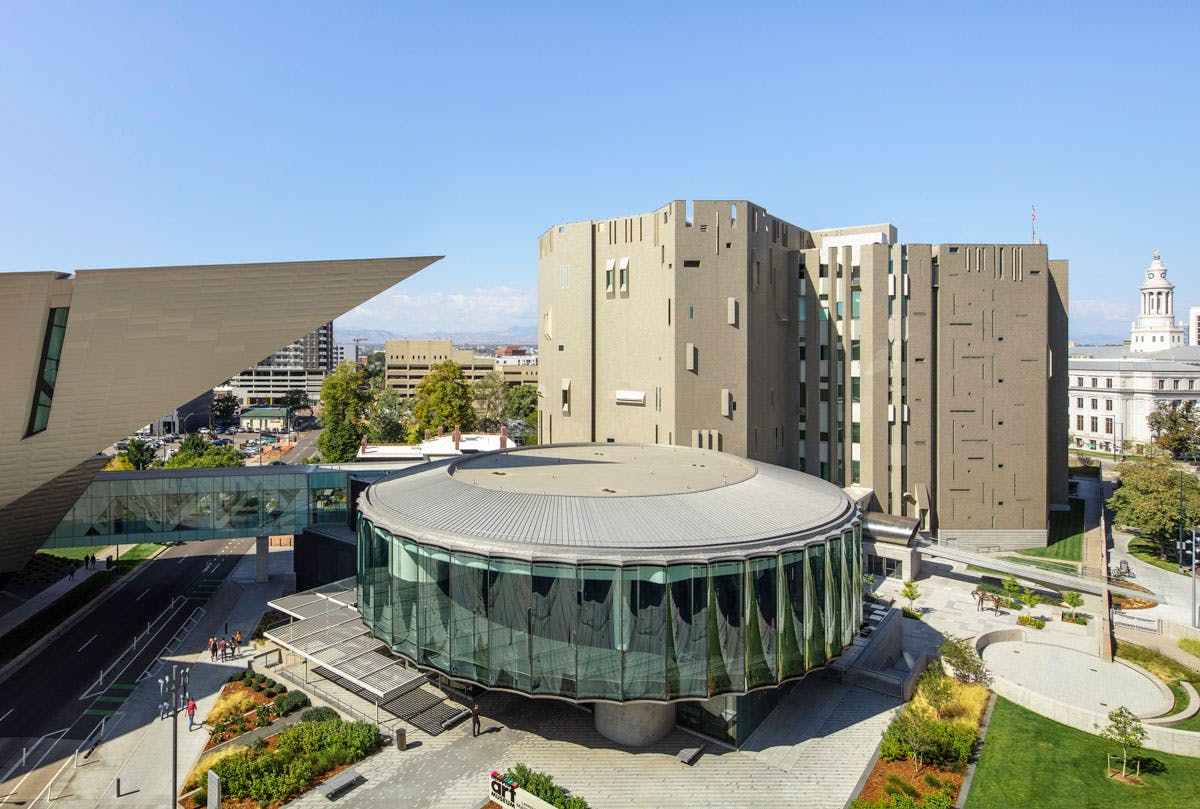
{"points": [[249, 700]]}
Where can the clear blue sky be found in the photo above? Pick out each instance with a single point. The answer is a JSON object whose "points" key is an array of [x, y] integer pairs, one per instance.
{"points": [[183, 133]]}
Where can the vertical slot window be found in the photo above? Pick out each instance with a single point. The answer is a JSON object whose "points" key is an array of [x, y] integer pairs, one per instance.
{"points": [[43, 394]]}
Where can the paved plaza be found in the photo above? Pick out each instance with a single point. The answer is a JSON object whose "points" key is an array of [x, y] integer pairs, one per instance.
{"points": [[811, 752], [1076, 679]]}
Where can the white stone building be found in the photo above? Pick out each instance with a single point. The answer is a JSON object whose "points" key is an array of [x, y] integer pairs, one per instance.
{"points": [[1114, 389]]}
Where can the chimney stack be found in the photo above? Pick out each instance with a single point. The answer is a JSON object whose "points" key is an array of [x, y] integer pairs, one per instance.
{"points": [[439, 431], [503, 437], [457, 438], [427, 436], [362, 446]]}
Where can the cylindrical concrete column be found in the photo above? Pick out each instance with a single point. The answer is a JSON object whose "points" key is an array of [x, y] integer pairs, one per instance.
{"points": [[635, 724]]}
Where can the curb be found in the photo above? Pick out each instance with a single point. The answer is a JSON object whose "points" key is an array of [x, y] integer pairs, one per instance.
{"points": [[17, 662], [983, 728]]}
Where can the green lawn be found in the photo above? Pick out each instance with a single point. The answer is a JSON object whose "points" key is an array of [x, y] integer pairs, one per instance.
{"points": [[1147, 551], [142, 551], [1066, 535], [1170, 671], [1030, 761]]}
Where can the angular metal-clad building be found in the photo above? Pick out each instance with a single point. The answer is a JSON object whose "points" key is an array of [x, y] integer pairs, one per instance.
{"points": [[92, 356]]}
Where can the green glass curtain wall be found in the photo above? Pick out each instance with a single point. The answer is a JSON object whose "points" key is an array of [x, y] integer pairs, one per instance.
{"points": [[639, 632]]}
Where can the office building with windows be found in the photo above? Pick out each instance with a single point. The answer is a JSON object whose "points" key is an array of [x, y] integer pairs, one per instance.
{"points": [[300, 365], [630, 576], [1115, 388], [932, 375], [407, 362]]}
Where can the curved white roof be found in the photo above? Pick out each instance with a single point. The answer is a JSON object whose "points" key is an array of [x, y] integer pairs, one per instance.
{"points": [[606, 502]]}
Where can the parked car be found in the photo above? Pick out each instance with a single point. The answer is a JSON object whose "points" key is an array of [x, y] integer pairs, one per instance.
{"points": [[203, 431], [277, 463], [222, 442], [121, 445]]}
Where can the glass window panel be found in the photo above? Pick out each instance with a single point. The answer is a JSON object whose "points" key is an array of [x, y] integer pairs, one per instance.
{"points": [[434, 604], [687, 645], [509, 604], [814, 606], [762, 634], [833, 601], [381, 603], [791, 636], [362, 551], [468, 616], [726, 641], [406, 569], [644, 632], [555, 618], [599, 631]]}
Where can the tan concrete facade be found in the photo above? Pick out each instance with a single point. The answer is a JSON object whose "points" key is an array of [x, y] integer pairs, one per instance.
{"points": [[933, 375], [407, 362], [136, 343]]}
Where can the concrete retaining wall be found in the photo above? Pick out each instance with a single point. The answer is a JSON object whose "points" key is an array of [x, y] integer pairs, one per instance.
{"points": [[635, 724], [992, 541], [1167, 740]]}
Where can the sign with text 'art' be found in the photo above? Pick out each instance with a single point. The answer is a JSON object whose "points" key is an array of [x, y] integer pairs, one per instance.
{"points": [[506, 792]]}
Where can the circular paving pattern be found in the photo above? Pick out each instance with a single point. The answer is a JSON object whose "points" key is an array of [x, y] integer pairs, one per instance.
{"points": [[1074, 678]]}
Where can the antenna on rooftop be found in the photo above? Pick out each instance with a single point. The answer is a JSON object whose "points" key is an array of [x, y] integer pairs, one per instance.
{"points": [[1033, 224]]}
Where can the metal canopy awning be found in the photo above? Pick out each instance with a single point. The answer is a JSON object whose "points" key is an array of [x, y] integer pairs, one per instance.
{"points": [[331, 634]]}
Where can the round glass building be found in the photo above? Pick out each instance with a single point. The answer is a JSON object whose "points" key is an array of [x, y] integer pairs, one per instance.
{"points": [[611, 572]]}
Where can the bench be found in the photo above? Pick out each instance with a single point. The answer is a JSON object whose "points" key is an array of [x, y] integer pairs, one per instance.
{"points": [[340, 783], [688, 755]]}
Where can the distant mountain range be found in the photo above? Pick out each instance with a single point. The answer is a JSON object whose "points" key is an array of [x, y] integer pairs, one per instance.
{"points": [[514, 335]]}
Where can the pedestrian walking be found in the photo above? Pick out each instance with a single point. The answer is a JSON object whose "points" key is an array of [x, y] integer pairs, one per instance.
{"points": [[212, 648], [191, 712], [237, 643], [224, 647], [71, 572], [475, 719]]}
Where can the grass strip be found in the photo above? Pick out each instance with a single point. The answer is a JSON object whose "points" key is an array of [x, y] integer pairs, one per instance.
{"points": [[1066, 535]]}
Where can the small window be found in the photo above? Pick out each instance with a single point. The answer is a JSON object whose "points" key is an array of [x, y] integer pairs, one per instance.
{"points": [[691, 263], [43, 395], [691, 313]]}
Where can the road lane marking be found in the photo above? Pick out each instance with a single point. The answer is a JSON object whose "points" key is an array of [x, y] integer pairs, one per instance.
{"points": [[85, 645], [139, 598], [10, 710]]}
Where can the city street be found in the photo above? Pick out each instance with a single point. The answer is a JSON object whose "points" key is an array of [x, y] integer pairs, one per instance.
{"points": [[55, 694]]}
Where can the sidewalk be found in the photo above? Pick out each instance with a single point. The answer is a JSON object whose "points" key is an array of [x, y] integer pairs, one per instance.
{"points": [[138, 747], [23, 612]]}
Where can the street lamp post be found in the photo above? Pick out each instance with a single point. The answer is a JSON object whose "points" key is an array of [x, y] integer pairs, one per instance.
{"points": [[174, 691]]}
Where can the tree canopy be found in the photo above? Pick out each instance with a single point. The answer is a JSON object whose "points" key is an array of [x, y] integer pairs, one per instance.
{"points": [[443, 400], [491, 400], [522, 407], [345, 399], [390, 419], [139, 454], [196, 453], [1176, 427], [296, 399], [224, 407], [1148, 500]]}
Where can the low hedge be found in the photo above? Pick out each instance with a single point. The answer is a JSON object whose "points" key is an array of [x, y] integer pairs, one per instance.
{"points": [[292, 700], [541, 785], [319, 715], [1032, 623]]}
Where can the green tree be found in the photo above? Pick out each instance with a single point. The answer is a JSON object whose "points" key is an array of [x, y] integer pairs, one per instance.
{"points": [[868, 583], [522, 410], [224, 407], [193, 445], [1029, 598], [960, 655], [345, 400], [390, 418], [443, 400], [936, 688], [139, 454], [1148, 501], [490, 393], [911, 591], [1126, 730], [1010, 585], [1176, 427], [376, 363], [296, 399], [210, 457], [1073, 600]]}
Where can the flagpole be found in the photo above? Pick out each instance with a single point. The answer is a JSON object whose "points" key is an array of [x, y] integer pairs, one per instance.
{"points": [[1033, 224]]}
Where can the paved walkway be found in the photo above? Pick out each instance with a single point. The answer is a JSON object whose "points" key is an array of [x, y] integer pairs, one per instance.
{"points": [[1173, 590], [811, 752], [23, 612], [138, 747]]}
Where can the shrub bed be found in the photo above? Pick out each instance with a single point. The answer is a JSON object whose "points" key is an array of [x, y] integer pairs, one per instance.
{"points": [[298, 758], [1032, 623], [916, 616], [541, 785], [1075, 618]]}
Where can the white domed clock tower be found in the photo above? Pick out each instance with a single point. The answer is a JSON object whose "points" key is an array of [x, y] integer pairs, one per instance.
{"points": [[1156, 329]]}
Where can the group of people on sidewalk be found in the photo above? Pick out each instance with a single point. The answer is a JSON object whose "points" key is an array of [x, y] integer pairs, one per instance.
{"points": [[89, 563], [227, 649]]}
